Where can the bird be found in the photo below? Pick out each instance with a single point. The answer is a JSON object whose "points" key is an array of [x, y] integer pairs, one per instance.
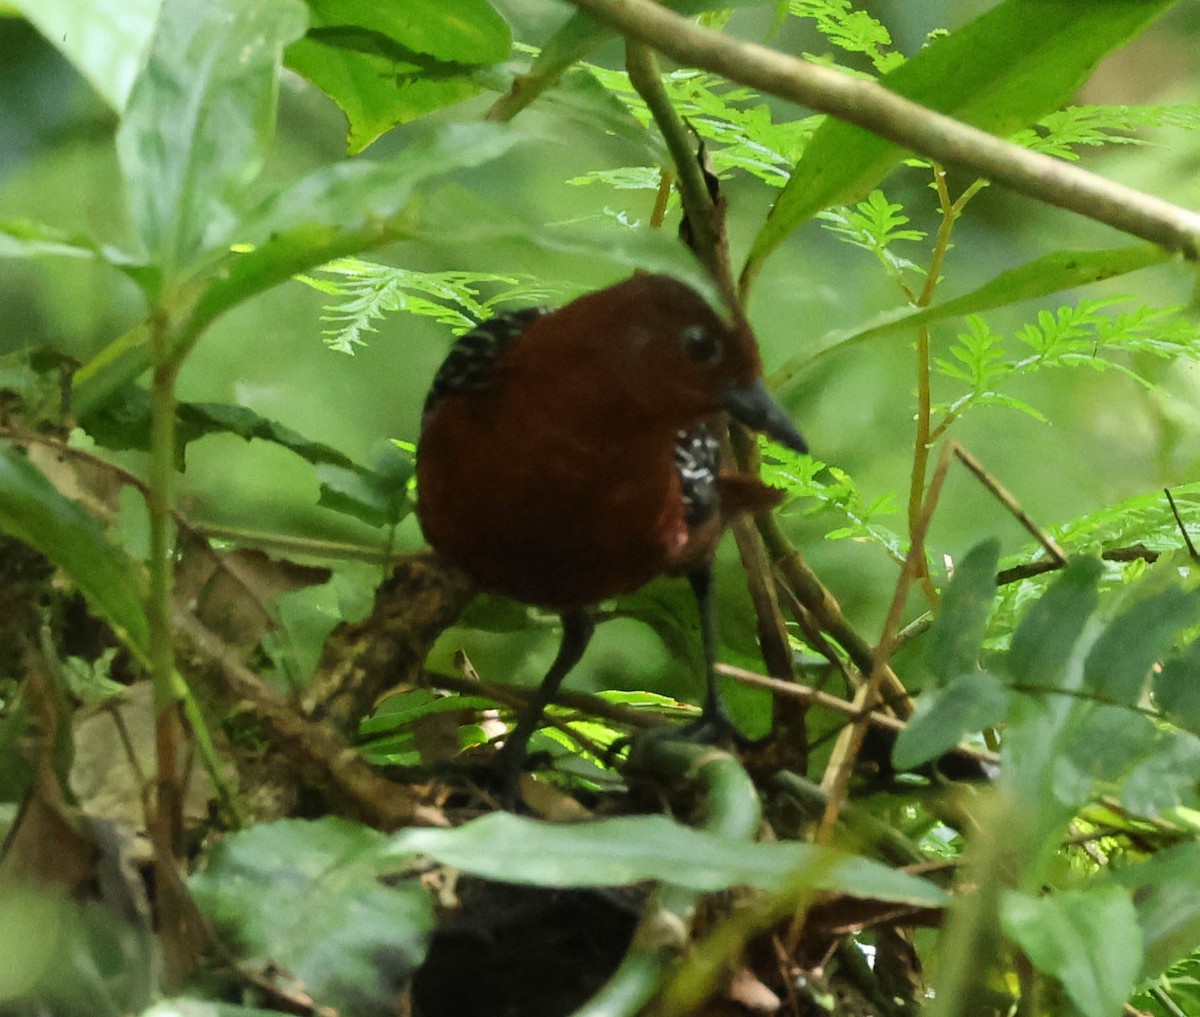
{"points": [[569, 456]]}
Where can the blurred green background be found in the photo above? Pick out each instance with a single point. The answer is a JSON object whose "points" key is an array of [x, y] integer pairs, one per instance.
{"points": [[1107, 438]]}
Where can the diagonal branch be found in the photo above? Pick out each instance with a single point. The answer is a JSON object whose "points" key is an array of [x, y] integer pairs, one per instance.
{"points": [[933, 135]]}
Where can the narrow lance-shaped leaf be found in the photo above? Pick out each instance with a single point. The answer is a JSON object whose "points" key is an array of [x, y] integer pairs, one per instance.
{"points": [[1120, 662], [630, 849], [1062, 270], [1042, 643], [1018, 61], [33, 511], [953, 643], [943, 716]]}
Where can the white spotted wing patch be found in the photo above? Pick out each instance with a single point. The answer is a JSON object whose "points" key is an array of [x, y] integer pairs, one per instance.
{"points": [[469, 365], [697, 455]]}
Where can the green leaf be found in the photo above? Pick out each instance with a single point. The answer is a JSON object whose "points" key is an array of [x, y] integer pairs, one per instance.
{"points": [[1135, 640], [1166, 777], [616, 852], [578, 36], [1166, 889], [1097, 748], [373, 93], [126, 425], [23, 238], [105, 40], [1088, 939], [1018, 61], [387, 64], [460, 31], [1043, 642], [33, 511], [850, 30], [379, 496], [1177, 687], [355, 193], [199, 122], [336, 211], [1062, 270], [953, 643], [306, 895], [941, 717]]}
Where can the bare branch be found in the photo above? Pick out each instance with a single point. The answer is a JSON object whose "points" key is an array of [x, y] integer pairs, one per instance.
{"points": [[924, 131]]}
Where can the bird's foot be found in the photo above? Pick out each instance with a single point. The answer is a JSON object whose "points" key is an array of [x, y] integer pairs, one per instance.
{"points": [[714, 727]]}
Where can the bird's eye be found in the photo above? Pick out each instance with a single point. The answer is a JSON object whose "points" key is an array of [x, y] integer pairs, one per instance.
{"points": [[701, 345]]}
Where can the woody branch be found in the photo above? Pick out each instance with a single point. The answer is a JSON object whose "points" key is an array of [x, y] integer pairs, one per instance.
{"points": [[924, 131]]}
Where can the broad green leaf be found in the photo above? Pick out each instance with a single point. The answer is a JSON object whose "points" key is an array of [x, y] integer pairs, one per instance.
{"points": [[1047, 653], [344, 209], [369, 497], [1062, 270], [33, 511], [458, 31], [1135, 640], [199, 122], [1166, 889], [1177, 687], [1046, 636], [373, 93], [1166, 777], [306, 895], [953, 643], [105, 40], [616, 852], [1097, 748], [942, 716], [354, 193], [1088, 939], [379, 496], [1019, 60], [34, 924], [387, 64]]}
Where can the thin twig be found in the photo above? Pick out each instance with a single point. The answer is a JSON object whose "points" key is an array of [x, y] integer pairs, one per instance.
{"points": [[1049, 544], [820, 602], [841, 764], [807, 694], [1187, 539]]}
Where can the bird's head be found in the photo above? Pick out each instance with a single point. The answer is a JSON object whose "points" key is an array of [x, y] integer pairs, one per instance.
{"points": [[666, 346]]}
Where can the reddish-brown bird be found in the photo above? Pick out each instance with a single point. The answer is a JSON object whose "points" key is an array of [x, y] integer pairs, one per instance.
{"points": [[567, 457]]}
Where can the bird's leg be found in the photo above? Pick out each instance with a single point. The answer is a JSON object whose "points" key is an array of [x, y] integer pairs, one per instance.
{"points": [[713, 722], [577, 629]]}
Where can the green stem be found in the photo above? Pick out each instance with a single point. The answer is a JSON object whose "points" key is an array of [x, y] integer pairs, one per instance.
{"points": [[924, 438], [158, 504], [702, 215]]}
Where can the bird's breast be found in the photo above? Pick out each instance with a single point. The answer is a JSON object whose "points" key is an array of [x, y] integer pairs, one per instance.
{"points": [[546, 517]]}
